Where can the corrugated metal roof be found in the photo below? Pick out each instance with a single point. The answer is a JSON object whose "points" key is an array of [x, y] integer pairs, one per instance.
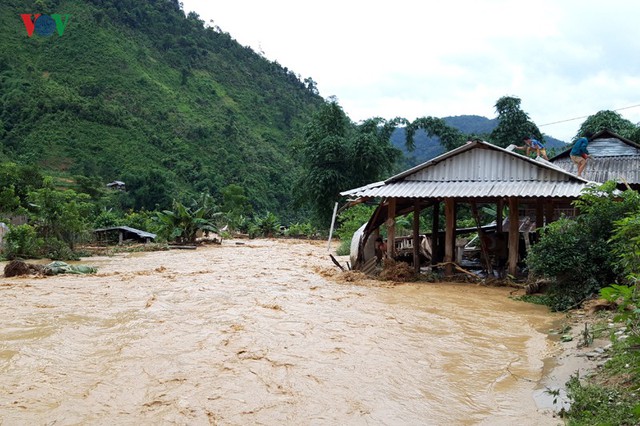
{"points": [[470, 189], [611, 147], [606, 144], [141, 234], [487, 165], [478, 169], [480, 160], [602, 169]]}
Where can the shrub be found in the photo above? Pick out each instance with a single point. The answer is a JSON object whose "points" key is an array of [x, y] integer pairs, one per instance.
{"points": [[22, 241], [266, 226], [578, 254], [107, 219], [595, 405], [563, 253], [239, 223], [59, 250], [143, 220], [344, 249], [298, 230]]}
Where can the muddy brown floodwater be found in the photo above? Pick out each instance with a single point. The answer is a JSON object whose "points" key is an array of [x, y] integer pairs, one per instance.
{"points": [[259, 333]]}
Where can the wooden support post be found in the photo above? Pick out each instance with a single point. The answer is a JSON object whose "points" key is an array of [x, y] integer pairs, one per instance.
{"points": [[539, 214], [416, 236], [391, 228], [435, 227], [450, 234], [548, 211], [499, 218], [514, 236]]}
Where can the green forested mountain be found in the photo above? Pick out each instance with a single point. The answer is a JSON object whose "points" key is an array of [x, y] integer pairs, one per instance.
{"points": [[135, 91]]}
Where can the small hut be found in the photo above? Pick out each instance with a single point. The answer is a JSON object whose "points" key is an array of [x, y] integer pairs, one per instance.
{"points": [[120, 234]]}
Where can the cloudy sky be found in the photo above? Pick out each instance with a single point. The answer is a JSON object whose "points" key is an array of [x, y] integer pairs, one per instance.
{"points": [[564, 59]]}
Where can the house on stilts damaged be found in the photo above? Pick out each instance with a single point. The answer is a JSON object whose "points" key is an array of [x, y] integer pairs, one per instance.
{"points": [[530, 192]]}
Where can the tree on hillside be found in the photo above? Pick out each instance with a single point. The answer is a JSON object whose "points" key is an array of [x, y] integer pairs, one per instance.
{"points": [[339, 155], [513, 123], [324, 159], [612, 121], [149, 189], [450, 137], [372, 153]]}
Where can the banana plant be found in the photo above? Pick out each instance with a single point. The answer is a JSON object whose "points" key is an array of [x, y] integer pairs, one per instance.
{"points": [[182, 223]]}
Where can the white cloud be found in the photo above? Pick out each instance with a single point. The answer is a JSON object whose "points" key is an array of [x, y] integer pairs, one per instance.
{"points": [[411, 58]]}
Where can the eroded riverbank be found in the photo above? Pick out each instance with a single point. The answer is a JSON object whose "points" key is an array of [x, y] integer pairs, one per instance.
{"points": [[253, 334]]}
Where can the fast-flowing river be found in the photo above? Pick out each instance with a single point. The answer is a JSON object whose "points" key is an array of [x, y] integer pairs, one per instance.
{"points": [[260, 333]]}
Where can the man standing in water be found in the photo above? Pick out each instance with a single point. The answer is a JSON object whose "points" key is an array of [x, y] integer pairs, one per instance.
{"points": [[579, 153]]}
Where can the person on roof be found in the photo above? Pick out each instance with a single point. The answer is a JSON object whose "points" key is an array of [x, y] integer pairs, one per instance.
{"points": [[533, 144], [579, 153]]}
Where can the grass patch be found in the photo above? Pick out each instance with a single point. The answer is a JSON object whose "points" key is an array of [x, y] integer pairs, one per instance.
{"points": [[601, 405]]}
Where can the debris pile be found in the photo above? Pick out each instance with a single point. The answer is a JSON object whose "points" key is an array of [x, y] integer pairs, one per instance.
{"points": [[397, 271], [17, 268]]}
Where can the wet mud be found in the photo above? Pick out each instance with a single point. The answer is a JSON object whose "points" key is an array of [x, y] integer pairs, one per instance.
{"points": [[265, 332]]}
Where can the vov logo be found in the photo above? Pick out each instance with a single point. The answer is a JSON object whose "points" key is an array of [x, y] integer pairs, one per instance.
{"points": [[44, 25]]}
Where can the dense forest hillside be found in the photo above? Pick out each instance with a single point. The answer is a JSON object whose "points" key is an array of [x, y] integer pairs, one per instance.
{"points": [[427, 147], [137, 91]]}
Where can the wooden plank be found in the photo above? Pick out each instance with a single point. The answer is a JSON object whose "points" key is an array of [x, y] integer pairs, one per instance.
{"points": [[369, 266], [333, 259], [539, 214], [450, 234], [435, 227], [416, 236], [548, 211]]}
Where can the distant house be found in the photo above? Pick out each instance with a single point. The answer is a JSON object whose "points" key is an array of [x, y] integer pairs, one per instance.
{"points": [[120, 234], [614, 158], [116, 184]]}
